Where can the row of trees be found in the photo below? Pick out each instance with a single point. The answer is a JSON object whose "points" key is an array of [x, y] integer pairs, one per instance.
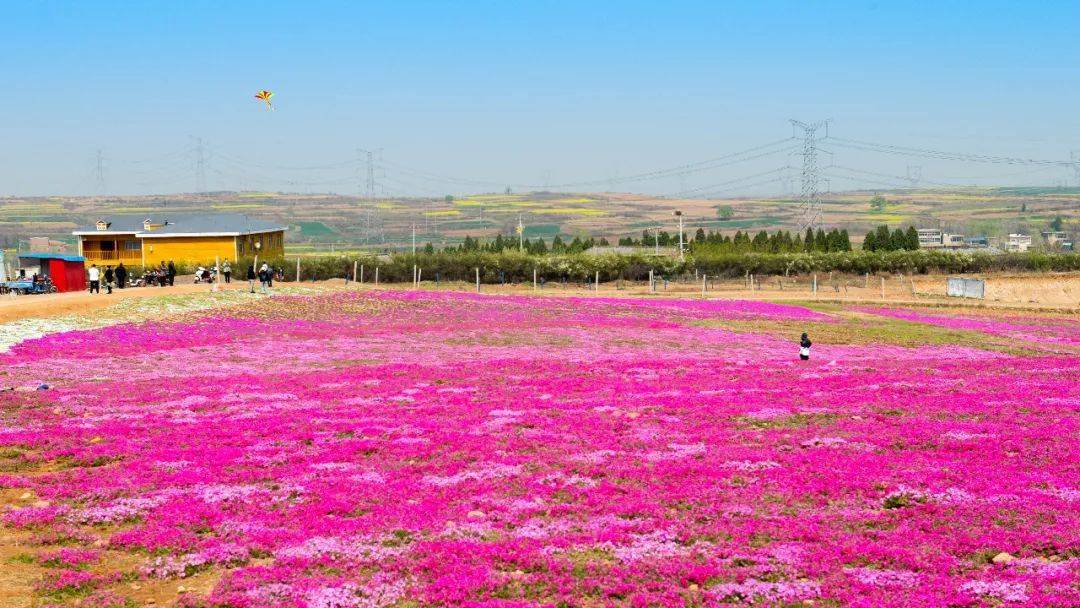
{"points": [[511, 243], [512, 266], [897, 240]]}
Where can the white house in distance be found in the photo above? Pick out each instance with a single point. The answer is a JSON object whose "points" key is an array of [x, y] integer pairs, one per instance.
{"points": [[1018, 242], [932, 238]]}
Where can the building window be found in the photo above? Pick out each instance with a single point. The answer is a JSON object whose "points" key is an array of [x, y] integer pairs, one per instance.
{"points": [[132, 245]]}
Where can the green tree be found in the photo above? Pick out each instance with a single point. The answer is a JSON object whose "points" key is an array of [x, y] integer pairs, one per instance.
{"points": [[821, 242], [882, 238], [878, 203], [911, 239], [870, 242], [845, 240], [725, 212], [1056, 224], [808, 240], [449, 198], [897, 240]]}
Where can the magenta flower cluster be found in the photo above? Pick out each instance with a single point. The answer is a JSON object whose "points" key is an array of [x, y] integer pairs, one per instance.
{"points": [[446, 449]]}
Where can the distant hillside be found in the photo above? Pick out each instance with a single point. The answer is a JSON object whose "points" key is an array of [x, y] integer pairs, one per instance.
{"points": [[322, 221]]}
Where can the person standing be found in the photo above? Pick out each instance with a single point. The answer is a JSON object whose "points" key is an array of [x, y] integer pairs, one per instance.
{"points": [[108, 279], [226, 270], [94, 276], [121, 275], [251, 278], [172, 273], [264, 277], [804, 348]]}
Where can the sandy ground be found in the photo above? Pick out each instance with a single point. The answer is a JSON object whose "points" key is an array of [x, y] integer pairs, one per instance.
{"points": [[15, 307]]}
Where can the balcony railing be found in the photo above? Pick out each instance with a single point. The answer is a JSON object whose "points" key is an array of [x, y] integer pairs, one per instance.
{"points": [[116, 255]]}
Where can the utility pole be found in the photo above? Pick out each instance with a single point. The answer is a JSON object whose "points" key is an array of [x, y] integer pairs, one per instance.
{"points": [[656, 240], [682, 254], [371, 175], [200, 166], [521, 234], [810, 211], [414, 239], [99, 172], [914, 175]]}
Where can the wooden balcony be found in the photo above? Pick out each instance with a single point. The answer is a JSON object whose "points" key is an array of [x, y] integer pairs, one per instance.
{"points": [[98, 256]]}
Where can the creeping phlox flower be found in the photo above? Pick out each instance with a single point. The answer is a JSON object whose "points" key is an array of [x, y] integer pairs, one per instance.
{"points": [[390, 449]]}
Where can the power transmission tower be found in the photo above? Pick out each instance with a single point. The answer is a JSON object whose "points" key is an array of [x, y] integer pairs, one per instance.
{"points": [[99, 172], [810, 209], [371, 175], [200, 165], [914, 175], [1074, 156]]}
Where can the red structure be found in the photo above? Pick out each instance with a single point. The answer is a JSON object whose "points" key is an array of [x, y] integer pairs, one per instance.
{"points": [[67, 272]]}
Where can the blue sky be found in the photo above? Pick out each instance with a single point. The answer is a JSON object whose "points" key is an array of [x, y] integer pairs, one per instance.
{"points": [[521, 93]]}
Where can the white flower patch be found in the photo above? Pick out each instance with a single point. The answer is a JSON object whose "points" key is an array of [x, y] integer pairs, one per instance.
{"points": [[750, 466]]}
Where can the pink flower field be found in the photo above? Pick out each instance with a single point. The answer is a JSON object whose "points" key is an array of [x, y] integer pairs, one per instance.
{"points": [[407, 449]]}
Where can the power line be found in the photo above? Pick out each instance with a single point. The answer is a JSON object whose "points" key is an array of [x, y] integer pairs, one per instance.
{"points": [[941, 155], [731, 181]]}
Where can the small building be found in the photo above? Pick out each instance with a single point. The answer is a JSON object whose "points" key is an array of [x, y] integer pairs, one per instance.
{"points": [[952, 241], [45, 244], [67, 272], [190, 239], [929, 238], [1053, 237], [1018, 242], [977, 242]]}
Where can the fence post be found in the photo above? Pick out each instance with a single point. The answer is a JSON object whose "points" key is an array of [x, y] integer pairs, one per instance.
{"points": [[361, 274], [597, 288], [652, 283], [217, 272], [354, 265], [703, 286], [866, 281], [376, 276], [882, 288], [419, 276], [414, 276], [477, 279], [534, 279], [815, 283], [751, 282], [297, 270]]}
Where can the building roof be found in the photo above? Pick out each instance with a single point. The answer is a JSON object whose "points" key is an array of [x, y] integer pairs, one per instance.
{"points": [[176, 224], [44, 255]]}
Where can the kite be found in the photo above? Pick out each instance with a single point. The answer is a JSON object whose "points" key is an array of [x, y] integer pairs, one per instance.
{"points": [[265, 95]]}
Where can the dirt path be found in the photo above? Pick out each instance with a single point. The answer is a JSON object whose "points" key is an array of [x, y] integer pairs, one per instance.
{"points": [[13, 308]]}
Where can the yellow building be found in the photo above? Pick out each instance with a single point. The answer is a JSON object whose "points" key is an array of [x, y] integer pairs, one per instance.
{"points": [[188, 239]]}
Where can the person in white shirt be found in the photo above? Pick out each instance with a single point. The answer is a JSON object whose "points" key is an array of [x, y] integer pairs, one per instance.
{"points": [[94, 275]]}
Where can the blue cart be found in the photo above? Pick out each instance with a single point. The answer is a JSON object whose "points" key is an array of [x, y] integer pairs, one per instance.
{"points": [[28, 287]]}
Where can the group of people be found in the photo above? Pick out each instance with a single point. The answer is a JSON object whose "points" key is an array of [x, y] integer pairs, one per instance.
{"points": [[162, 275], [165, 274], [265, 275], [111, 276]]}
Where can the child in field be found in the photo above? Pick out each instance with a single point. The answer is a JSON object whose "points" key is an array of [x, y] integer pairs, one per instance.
{"points": [[804, 348]]}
